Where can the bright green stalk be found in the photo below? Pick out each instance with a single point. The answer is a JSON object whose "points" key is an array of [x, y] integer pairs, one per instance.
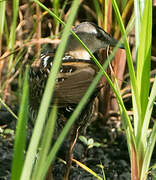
{"points": [[13, 29], [152, 140], [56, 4], [9, 109], [2, 19], [148, 154], [135, 95], [144, 56], [142, 104], [6, 32], [20, 138], [149, 112], [45, 144], [137, 22], [143, 76], [98, 11]]}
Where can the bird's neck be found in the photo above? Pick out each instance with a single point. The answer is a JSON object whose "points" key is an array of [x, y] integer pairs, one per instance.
{"points": [[79, 54]]}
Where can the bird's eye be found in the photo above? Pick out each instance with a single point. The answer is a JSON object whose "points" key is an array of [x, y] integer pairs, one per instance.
{"points": [[99, 35]]}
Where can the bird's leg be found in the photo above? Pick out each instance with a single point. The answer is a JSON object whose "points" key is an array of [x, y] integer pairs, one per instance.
{"points": [[70, 153]]}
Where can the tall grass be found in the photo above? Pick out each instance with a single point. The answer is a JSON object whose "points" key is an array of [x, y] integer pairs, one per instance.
{"points": [[140, 147], [2, 20], [20, 138], [12, 36]]}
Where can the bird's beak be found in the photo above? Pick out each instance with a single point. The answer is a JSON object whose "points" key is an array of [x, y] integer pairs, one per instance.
{"points": [[111, 41], [114, 42]]}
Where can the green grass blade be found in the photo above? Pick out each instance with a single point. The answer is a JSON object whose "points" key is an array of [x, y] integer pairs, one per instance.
{"points": [[56, 4], [148, 154], [47, 94], [137, 22], [12, 36], [20, 138], [143, 75], [130, 24], [50, 12], [45, 144], [125, 121], [135, 95], [7, 107], [98, 10], [2, 16], [6, 31], [144, 56], [2, 20], [148, 112]]}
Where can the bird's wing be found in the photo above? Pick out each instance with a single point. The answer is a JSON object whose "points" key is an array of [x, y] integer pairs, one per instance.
{"points": [[73, 80], [70, 88]]}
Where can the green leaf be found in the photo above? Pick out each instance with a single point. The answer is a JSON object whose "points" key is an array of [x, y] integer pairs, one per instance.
{"points": [[83, 139], [45, 144], [12, 36], [20, 138], [144, 56]]}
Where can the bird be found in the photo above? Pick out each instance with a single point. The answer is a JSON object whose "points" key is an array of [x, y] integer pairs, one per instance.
{"points": [[76, 73], [77, 69]]}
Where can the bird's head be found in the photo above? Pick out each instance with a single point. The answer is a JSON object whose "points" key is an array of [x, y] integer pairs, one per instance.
{"points": [[94, 38]]}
